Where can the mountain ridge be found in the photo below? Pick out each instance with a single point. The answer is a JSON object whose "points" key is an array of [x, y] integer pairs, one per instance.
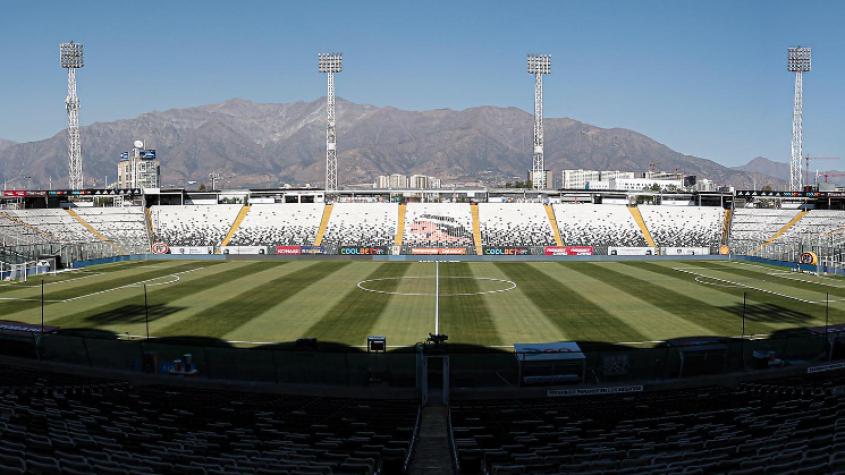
{"points": [[268, 144]]}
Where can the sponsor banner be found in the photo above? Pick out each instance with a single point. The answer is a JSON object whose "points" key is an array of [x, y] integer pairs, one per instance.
{"points": [[568, 250], [14, 193], [9, 325], [685, 251], [288, 250], [192, 250], [235, 250], [808, 258], [636, 388], [362, 250], [630, 251], [506, 251], [160, 248], [443, 251], [823, 368], [312, 250]]}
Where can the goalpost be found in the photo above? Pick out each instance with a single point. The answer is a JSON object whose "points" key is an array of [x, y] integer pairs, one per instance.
{"points": [[22, 271]]}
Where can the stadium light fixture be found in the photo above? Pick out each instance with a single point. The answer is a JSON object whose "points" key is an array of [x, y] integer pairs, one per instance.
{"points": [[798, 61], [538, 65], [330, 64], [71, 58]]}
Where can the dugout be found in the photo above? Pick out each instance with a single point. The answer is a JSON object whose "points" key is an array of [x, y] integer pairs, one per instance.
{"points": [[550, 363], [700, 356]]}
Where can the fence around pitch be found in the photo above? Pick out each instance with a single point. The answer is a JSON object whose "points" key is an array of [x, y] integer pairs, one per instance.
{"points": [[468, 369]]}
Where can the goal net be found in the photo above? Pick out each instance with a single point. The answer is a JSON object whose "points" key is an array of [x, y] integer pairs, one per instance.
{"points": [[22, 271]]}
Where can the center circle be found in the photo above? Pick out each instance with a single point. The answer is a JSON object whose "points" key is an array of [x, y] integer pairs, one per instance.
{"points": [[503, 285]]}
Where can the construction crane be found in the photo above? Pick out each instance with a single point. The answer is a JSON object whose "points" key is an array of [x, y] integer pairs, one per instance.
{"points": [[807, 165], [832, 174]]}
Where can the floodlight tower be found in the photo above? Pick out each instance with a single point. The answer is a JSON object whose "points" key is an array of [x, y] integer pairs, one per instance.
{"points": [[70, 55], [331, 63], [538, 65], [799, 61]]}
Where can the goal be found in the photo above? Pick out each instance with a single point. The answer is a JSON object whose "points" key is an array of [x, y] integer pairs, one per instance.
{"points": [[21, 271]]}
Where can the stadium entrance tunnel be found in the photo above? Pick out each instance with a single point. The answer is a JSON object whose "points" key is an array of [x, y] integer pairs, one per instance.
{"points": [[423, 286]]}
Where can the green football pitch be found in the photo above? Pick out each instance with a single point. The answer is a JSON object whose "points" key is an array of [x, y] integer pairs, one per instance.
{"points": [[484, 303]]}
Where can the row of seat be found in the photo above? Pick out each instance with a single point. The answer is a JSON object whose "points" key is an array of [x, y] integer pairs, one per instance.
{"points": [[51, 423]]}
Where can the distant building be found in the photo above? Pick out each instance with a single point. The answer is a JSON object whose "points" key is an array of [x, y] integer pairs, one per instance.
{"points": [[639, 184], [591, 179], [550, 180], [139, 168], [382, 182], [397, 181]]}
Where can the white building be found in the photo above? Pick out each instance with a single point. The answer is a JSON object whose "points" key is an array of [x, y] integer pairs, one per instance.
{"points": [[139, 168], [639, 184], [591, 179], [579, 179]]}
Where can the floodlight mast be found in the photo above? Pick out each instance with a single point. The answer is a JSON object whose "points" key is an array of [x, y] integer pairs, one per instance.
{"points": [[538, 65], [331, 63], [799, 61], [70, 56]]}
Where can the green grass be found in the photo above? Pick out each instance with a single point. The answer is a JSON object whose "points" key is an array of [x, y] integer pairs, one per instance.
{"points": [[277, 301]]}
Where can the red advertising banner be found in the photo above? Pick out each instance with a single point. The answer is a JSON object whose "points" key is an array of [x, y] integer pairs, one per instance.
{"points": [[432, 251], [14, 193], [568, 250], [288, 250]]}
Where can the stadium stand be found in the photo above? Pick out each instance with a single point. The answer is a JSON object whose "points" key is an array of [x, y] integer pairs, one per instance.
{"points": [[515, 224], [815, 223], [279, 224], [753, 226], [123, 225], [53, 222], [193, 225], [748, 430], [52, 423], [438, 225], [14, 232], [684, 226], [597, 225], [362, 224]]}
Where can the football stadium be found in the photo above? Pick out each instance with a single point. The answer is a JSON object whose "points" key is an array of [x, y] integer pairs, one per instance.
{"points": [[473, 333], [624, 322]]}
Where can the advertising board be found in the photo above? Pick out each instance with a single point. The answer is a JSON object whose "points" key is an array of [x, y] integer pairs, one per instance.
{"points": [[630, 251], [568, 250], [288, 250], [362, 250]]}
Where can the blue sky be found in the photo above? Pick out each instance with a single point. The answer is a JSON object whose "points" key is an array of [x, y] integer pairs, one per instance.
{"points": [[705, 78]]}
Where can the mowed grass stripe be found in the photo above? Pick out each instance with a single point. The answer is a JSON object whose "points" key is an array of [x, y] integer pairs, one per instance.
{"points": [[648, 319], [82, 274], [132, 308], [12, 306], [351, 319], [765, 276], [231, 314], [764, 312], [724, 321], [574, 314], [406, 319], [514, 314], [465, 318]]}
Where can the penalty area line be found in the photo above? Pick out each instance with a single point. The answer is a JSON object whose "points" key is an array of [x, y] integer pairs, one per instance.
{"points": [[740, 284]]}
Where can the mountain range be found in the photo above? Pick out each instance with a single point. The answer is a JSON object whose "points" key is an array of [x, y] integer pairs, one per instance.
{"points": [[267, 145], [780, 170]]}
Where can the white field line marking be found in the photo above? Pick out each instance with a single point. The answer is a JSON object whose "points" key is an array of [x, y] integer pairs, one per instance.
{"points": [[784, 273], [765, 291], [511, 285], [174, 279], [137, 284], [58, 282]]}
